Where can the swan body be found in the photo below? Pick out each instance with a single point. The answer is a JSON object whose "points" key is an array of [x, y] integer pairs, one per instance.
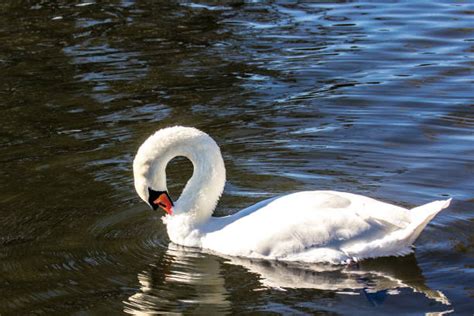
{"points": [[309, 226]]}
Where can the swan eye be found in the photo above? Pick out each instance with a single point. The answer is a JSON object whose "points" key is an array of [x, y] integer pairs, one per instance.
{"points": [[160, 199]]}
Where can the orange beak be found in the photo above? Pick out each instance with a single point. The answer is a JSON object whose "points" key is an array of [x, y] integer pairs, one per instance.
{"points": [[164, 201]]}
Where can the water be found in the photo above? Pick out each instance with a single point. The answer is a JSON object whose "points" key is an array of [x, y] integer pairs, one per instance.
{"points": [[371, 98]]}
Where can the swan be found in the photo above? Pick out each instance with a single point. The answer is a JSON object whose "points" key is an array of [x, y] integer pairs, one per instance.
{"points": [[309, 226]]}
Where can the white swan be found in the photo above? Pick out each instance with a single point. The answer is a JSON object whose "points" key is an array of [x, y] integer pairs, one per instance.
{"points": [[310, 226]]}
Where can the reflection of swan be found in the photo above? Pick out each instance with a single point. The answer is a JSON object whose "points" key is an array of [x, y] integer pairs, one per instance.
{"points": [[372, 277], [189, 281], [185, 281], [311, 226]]}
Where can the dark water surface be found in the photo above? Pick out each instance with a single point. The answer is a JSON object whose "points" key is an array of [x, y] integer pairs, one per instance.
{"points": [[370, 98]]}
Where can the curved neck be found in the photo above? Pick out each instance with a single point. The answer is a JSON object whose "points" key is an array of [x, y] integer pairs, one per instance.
{"points": [[202, 192]]}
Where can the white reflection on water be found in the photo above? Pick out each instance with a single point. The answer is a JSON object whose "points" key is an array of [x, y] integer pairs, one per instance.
{"points": [[374, 281], [187, 280]]}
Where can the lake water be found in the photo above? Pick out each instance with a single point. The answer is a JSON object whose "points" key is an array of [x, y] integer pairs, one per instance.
{"points": [[366, 97]]}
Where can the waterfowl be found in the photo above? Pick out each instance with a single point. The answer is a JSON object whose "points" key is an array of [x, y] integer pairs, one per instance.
{"points": [[310, 226]]}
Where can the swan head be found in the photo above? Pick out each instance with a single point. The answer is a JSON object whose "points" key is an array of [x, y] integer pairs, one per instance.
{"points": [[202, 191], [149, 168], [160, 199], [154, 198]]}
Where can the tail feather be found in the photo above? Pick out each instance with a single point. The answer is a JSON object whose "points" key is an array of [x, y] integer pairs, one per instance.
{"points": [[421, 216], [399, 242]]}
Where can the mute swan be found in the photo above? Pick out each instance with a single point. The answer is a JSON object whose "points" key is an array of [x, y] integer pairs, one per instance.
{"points": [[309, 226]]}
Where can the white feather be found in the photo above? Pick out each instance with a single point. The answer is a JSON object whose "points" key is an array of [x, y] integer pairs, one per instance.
{"points": [[310, 226]]}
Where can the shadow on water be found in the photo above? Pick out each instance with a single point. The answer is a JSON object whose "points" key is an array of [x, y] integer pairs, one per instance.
{"points": [[190, 281]]}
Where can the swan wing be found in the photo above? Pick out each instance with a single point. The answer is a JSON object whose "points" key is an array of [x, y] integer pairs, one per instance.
{"points": [[306, 226]]}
